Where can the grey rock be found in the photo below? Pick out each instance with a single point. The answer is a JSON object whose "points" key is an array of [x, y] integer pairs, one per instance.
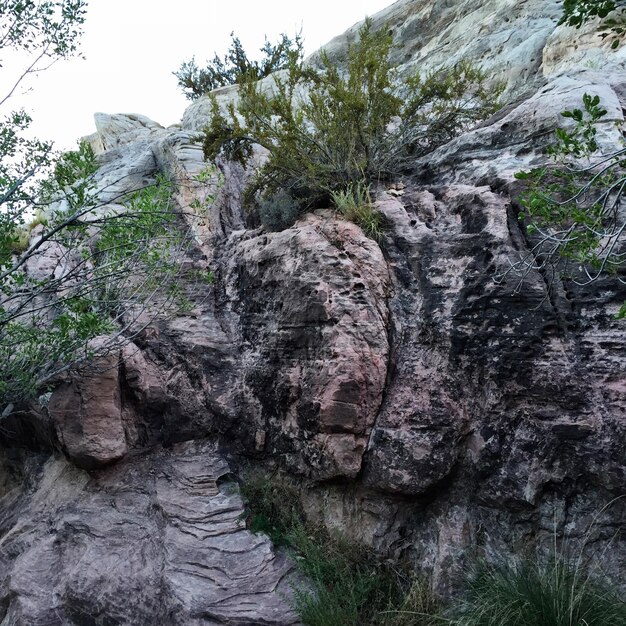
{"points": [[157, 539]]}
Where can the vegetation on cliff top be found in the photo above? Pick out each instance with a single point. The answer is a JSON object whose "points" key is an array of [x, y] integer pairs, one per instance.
{"points": [[235, 67], [326, 130]]}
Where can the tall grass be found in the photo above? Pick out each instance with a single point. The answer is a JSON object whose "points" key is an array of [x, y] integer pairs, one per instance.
{"points": [[563, 590], [349, 584], [353, 586], [273, 505], [530, 593]]}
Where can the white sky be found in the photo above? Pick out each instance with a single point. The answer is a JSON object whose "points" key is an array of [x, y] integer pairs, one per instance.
{"points": [[133, 46]]}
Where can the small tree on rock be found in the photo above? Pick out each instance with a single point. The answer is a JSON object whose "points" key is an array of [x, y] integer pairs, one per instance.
{"points": [[235, 67], [327, 130]]}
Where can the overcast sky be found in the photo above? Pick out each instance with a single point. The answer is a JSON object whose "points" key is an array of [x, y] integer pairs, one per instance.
{"points": [[133, 46]]}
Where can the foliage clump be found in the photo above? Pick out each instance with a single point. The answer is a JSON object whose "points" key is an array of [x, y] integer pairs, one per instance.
{"points": [[578, 12], [114, 271], [325, 130], [235, 67], [353, 586], [278, 211], [543, 594], [573, 212], [88, 270], [355, 204]]}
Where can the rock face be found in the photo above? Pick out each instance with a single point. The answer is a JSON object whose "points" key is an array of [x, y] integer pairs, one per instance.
{"points": [[157, 539], [434, 407], [88, 415]]}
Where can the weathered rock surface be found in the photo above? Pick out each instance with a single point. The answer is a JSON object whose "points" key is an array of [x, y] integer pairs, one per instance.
{"points": [[87, 413], [156, 539], [436, 409], [506, 37], [315, 353]]}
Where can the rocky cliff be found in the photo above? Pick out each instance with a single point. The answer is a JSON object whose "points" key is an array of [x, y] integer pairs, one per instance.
{"points": [[425, 407]]}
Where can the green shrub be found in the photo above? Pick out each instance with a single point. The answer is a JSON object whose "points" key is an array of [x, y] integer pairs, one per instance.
{"points": [[121, 265], [551, 594], [19, 236], [344, 583], [279, 211], [572, 212], [327, 129], [72, 177], [350, 585], [355, 204], [235, 67], [578, 12]]}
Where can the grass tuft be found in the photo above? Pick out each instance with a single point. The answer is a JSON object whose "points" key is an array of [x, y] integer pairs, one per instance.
{"points": [[355, 204], [273, 506], [542, 594], [350, 584]]}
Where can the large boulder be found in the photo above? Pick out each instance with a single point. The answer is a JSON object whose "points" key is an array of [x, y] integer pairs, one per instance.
{"points": [[87, 413]]}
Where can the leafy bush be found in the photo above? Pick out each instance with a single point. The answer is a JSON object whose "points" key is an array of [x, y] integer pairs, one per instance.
{"points": [[578, 12], [573, 212], [326, 129], [235, 67], [74, 166], [120, 269], [21, 235], [49, 319], [349, 589], [552, 594]]}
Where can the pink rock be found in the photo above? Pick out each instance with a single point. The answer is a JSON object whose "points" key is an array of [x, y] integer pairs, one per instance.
{"points": [[87, 413]]}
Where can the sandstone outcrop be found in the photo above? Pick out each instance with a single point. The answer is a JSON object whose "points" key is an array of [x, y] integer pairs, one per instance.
{"points": [[87, 413], [156, 539], [432, 405]]}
